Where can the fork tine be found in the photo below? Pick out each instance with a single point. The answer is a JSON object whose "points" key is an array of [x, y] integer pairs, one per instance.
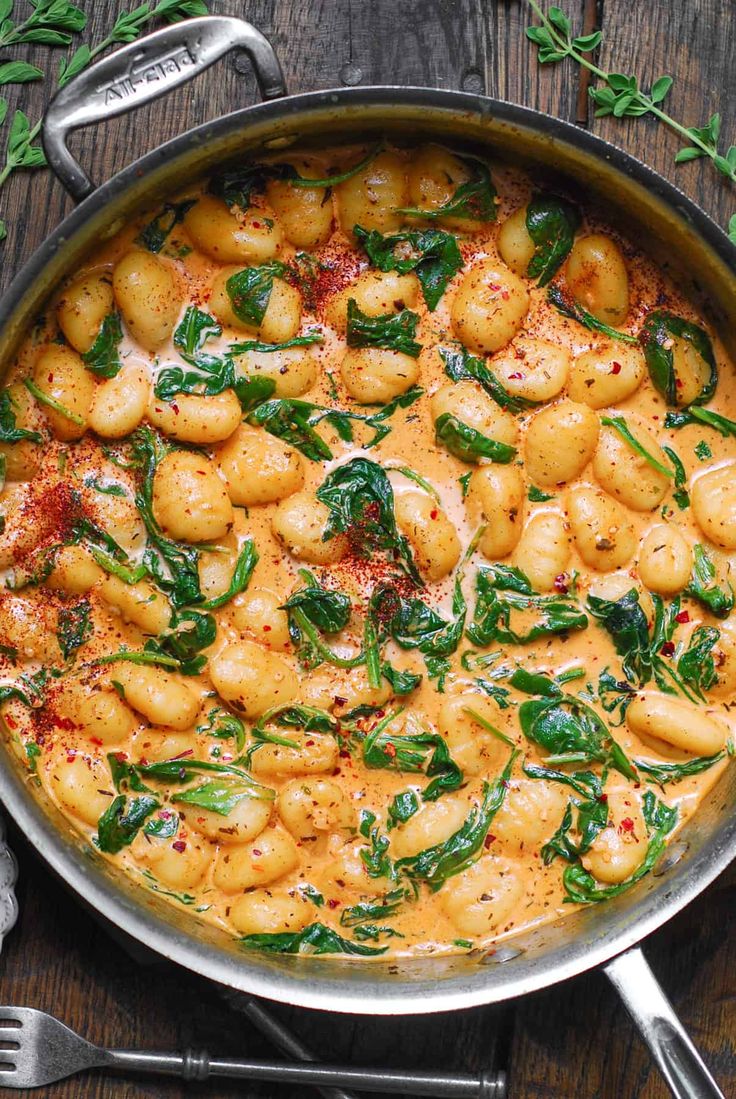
{"points": [[9, 1034]]}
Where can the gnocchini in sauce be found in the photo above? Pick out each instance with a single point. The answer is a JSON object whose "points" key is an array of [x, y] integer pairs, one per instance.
{"points": [[368, 529]]}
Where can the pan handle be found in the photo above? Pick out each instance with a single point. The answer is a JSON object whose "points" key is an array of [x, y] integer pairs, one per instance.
{"points": [[143, 71], [669, 1043]]}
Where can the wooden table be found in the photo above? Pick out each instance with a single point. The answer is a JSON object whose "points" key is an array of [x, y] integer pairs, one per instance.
{"points": [[573, 1041]]}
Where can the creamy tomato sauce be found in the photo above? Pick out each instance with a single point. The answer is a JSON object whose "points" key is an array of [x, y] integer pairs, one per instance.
{"points": [[370, 595]]}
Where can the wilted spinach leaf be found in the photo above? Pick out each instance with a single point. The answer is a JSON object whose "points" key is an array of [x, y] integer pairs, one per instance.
{"points": [[417, 752], [671, 773], [697, 666], [696, 415], [74, 627], [467, 444], [361, 502], [436, 864], [193, 331], [719, 601], [119, 824], [390, 331], [582, 888], [474, 200], [502, 590], [682, 498], [294, 421], [551, 222], [236, 185], [644, 649], [460, 365], [249, 291], [219, 796], [566, 305], [432, 253], [103, 357], [314, 610], [153, 235], [657, 334], [9, 432], [314, 939]]}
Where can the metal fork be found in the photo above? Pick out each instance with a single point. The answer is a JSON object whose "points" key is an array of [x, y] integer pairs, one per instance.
{"points": [[36, 1049]]}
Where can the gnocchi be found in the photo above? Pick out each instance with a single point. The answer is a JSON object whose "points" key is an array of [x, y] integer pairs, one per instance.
{"points": [[258, 468], [489, 307], [341, 569], [597, 277]]}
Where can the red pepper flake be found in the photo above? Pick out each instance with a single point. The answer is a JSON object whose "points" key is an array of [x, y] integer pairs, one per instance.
{"points": [[96, 740], [627, 825], [186, 752], [560, 583], [267, 629], [505, 295], [490, 838], [121, 756], [683, 616], [516, 376], [10, 722], [308, 743], [179, 846], [603, 798], [390, 750], [71, 756], [256, 853], [332, 903], [615, 368], [668, 649], [433, 513]]}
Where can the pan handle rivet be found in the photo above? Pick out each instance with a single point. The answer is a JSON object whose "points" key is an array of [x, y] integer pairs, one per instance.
{"points": [[671, 858], [351, 74], [501, 954], [472, 81]]}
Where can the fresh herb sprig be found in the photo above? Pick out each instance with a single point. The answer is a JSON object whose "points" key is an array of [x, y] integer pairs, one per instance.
{"points": [[621, 96], [50, 24]]}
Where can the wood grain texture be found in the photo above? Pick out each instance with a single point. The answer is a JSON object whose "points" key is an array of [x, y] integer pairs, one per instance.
{"points": [[569, 1041], [694, 43]]}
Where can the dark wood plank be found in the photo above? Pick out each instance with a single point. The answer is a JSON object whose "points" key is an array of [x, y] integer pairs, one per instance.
{"points": [[694, 43]]}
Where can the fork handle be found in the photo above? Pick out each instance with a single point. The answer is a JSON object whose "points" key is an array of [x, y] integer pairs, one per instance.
{"points": [[192, 1065]]}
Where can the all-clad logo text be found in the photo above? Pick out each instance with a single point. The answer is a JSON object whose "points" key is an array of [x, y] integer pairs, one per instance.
{"points": [[154, 73]]}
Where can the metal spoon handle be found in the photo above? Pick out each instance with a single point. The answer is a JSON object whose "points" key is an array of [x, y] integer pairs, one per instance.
{"points": [[198, 1066], [684, 1070]]}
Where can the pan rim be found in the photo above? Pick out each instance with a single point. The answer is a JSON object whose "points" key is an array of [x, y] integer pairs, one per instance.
{"points": [[360, 996]]}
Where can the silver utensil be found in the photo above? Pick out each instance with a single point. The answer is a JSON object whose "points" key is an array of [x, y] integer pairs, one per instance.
{"points": [[38, 1049], [284, 1039]]}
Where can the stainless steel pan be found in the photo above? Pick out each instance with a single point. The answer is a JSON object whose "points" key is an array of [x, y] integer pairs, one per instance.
{"points": [[655, 212]]}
